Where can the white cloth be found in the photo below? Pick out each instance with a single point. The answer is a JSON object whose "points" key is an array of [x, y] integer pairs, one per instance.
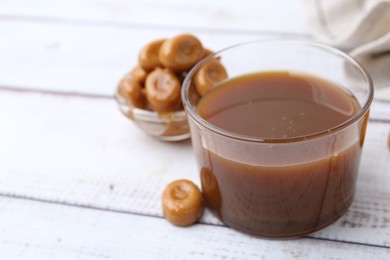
{"points": [[359, 27]]}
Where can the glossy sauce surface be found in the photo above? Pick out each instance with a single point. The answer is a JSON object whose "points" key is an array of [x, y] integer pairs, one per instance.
{"points": [[272, 200], [277, 105]]}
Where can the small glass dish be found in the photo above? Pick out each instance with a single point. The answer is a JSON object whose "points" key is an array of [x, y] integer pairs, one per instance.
{"points": [[167, 126]]}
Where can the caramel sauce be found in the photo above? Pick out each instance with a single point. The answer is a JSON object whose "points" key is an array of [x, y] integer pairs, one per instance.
{"points": [[271, 199], [277, 105]]}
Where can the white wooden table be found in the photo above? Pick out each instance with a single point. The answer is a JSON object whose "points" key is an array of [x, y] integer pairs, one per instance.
{"points": [[79, 181]]}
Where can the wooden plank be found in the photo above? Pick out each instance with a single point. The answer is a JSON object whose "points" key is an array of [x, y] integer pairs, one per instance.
{"points": [[82, 151], [201, 15], [34, 230], [368, 219], [380, 110], [85, 59], [82, 58]]}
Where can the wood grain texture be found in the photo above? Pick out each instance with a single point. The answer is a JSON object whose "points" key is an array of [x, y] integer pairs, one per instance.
{"points": [[380, 110], [34, 230], [49, 48], [79, 181], [70, 58], [82, 58], [87, 46], [202, 15], [82, 151]]}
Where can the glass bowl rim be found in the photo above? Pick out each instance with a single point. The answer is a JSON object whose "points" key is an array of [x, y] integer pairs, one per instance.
{"points": [[313, 44]]}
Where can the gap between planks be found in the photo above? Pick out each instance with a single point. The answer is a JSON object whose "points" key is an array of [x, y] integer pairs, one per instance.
{"points": [[24, 198], [55, 92], [111, 97], [232, 16], [153, 27], [53, 231], [84, 148]]}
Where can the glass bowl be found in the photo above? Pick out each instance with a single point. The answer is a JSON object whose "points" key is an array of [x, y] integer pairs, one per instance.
{"points": [[167, 126], [288, 186]]}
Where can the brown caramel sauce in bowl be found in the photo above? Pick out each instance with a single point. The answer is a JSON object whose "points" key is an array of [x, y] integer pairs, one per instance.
{"points": [[286, 172]]}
